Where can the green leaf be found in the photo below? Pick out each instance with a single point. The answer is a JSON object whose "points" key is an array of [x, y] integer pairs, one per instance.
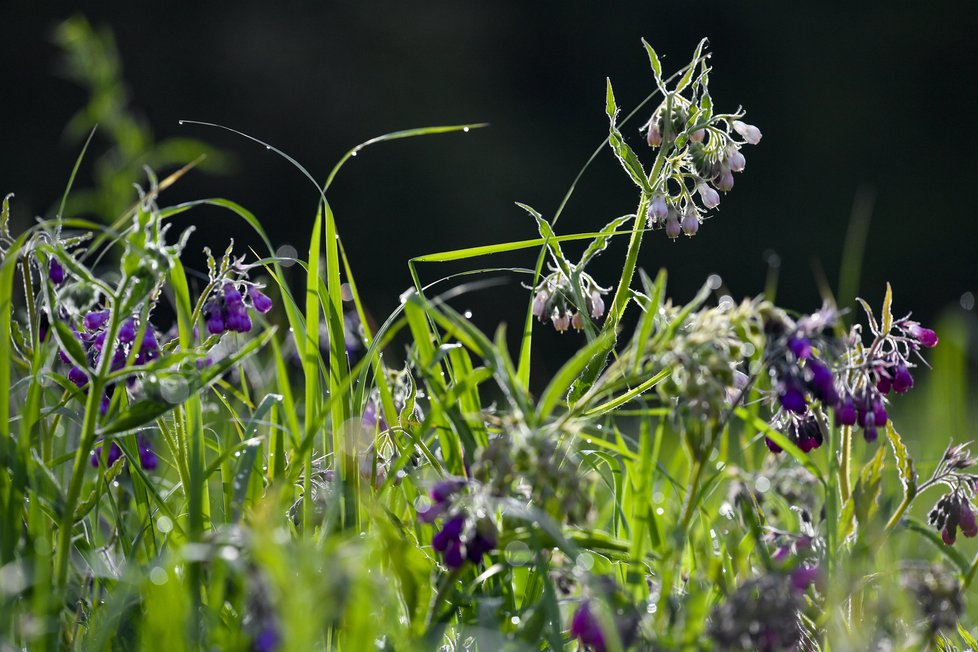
{"points": [[867, 490], [653, 60], [600, 243], [887, 315], [691, 68], [611, 107], [629, 160], [905, 464]]}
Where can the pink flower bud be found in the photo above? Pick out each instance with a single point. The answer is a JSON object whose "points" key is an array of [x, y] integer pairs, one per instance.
{"points": [[925, 336], [561, 322], [698, 135], [736, 160], [673, 229], [709, 196], [597, 305], [724, 180], [750, 133], [654, 136], [691, 223], [577, 321], [540, 305], [658, 209], [969, 527]]}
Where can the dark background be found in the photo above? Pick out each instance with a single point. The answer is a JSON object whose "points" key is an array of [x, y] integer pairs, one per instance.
{"points": [[869, 95]]}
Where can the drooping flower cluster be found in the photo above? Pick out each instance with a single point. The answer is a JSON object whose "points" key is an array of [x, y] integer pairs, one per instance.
{"points": [[226, 311], [556, 299], [954, 510], [709, 154], [466, 534], [874, 372]]}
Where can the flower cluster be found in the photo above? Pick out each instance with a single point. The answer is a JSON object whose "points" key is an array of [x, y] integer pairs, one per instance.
{"points": [[876, 371], [556, 299], [709, 156], [538, 469], [227, 312], [763, 614], [463, 536], [953, 511], [606, 615], [93, 335]]}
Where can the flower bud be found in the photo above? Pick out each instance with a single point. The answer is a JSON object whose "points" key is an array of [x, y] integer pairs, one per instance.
{"points": [[597, 305], [586, 628], [231, 296], [147, 457], [750, 133], [77, 376], [259, 300], [724, 181], [673, 229], [883, 383], [658, 209], [540, 305], [845, 413], [902, 379], [56, 272], [771, 446], [969, 527], [709, 196], [801, 347], [924, 336], [654, 136], [691, 223], [735, 160], [127, 332], [561, 322], [949, 534], [95, 320], [577, 321], [793, 399], [698, 135]]}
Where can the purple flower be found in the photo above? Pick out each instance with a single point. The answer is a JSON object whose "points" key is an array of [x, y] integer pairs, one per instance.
{"points": [[147, 457], [238, 320], [969, 527], [736, 160], [452, 555], [884, 384], [724, 181], [691, 223], [586, 628], [77, 376], [597, 305], [949, 534], [561, 322], [845, 413], [56, 272], [673, 228], [267, 640], [870, 434], [822, 383], [95, 320], [902, 379], [450, 532], [653, 137], [215, 320], [442, 491], [924, 336], [658, 209], [771, 446], [577, 321], [261, 302], [114, 454], [803, 576], [127, 332], [801, 347], [540, 304], [879, 413], [232, 298], [793, 399]]}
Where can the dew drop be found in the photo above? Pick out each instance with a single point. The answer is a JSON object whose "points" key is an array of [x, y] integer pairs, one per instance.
{"points": [[466, 130]]}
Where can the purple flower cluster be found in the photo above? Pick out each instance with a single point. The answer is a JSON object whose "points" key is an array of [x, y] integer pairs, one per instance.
{"points": [[56, 272], [147, 456], [461, 538], [878, 371], [93, 335], [953, 511], [227, 312]]}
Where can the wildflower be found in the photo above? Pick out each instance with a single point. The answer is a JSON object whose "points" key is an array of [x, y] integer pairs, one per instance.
{"points": [[845, 413], [540, 304], [147, 457], [952, 511], [577, 321], [56, 272], [259, 301], [902, 379], [586, 628], [698, 135], [597, 305], [750, 133], [658, 210], [924, 336], [793, 399], [654, 136], [561, 322], [95, 320], [113, 455], [724, 181], [127, 332], [709, 196], [735, 160], [215, 319], [77, 376], [673, 228], [801, 347]]}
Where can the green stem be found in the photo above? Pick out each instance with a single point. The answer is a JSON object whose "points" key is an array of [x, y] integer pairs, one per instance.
{"points": [[844, 470]]}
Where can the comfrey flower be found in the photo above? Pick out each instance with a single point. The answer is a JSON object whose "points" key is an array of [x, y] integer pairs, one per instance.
{"points": [[763, 614], [875, 372], [463, 536], [596, 623], [147, 457], [798, 375], [704, 163], [227, 311], [56, 272], [555, 299]]}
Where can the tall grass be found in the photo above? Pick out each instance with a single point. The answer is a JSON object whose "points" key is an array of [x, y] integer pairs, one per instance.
{"points": [[309, 482]]}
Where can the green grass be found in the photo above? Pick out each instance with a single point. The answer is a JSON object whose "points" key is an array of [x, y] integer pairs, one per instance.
{"points": [[289, 508]]}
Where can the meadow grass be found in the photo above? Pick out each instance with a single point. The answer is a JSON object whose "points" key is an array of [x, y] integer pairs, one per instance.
{"points": [[280, 475]]}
